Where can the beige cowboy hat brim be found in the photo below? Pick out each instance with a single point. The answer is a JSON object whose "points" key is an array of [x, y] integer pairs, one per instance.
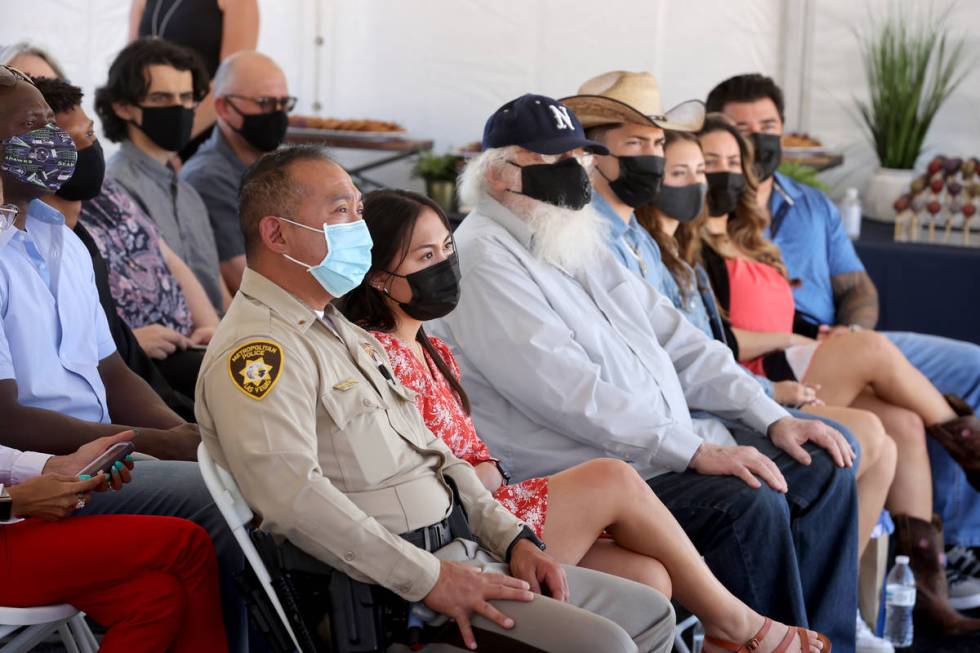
{"points": [[596, 110]]}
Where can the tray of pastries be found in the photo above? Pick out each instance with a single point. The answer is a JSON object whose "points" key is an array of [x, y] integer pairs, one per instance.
{"points": [[802, 143], [348, 128]]}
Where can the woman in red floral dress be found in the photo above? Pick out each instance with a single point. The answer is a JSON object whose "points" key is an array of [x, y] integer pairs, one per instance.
{"points": [[599, 514], [444, 415]]}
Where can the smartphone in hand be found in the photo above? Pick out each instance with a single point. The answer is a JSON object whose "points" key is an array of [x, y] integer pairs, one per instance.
{"points": [[107, 459]]}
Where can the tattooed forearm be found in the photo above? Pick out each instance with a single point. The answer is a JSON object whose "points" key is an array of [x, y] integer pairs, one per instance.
{"points": [[856, 299]]}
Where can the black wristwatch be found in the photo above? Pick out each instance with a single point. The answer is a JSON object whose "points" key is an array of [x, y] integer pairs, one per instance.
{"points": [[525, 534], [6, 504]]}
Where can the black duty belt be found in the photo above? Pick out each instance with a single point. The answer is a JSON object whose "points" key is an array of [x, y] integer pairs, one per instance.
{"points": [[431, 538]]}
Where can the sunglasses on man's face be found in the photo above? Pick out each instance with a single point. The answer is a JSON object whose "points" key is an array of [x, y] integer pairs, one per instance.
{"points": [[9, 76]]}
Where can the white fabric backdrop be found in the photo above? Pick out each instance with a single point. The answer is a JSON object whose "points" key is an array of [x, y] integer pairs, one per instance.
{"points": [[440, 67]]}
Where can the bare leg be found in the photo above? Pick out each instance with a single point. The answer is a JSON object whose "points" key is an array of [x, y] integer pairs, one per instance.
{"points": [[845, 365], [605, 555], [911, 491], [877, 469], [609, 495]]}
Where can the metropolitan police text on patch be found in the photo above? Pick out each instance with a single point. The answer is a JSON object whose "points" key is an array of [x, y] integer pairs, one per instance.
{"points": [[255, 367]]}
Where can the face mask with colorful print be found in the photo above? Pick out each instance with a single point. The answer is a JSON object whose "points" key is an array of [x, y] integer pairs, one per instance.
{"points": [[43, 157]]}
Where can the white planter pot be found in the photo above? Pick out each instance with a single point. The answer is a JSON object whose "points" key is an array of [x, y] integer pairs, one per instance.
{"points": [[886, 186]]}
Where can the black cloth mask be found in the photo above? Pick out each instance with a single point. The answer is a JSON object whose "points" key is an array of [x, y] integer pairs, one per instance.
{"points": [[565, 184], [639, 179], [264, 131], [724, 189], [768, 153], [682, 203], [168, 127], [86, 182], [435, 290]]}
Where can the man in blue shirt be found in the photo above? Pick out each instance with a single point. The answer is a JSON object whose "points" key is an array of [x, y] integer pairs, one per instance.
{"points": [[836, 293], [62, 383]]}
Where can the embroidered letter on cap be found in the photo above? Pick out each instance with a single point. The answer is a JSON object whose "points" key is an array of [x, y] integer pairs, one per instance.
{"points": [[561, 115], [255, 367]]}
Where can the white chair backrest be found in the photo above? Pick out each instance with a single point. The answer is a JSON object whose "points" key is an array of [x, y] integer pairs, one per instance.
{"points": [[236, 512]]}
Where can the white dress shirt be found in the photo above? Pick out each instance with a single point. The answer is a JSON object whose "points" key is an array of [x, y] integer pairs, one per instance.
{"points": [[18, 466], [562, 369]]}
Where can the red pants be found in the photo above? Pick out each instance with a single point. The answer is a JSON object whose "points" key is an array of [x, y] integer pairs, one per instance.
{"points": [[152, 582]]}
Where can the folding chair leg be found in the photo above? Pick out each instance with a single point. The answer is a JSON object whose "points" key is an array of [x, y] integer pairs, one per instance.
{"points": [[83, 634], [67, 638], [680, 646], [28, 638]]}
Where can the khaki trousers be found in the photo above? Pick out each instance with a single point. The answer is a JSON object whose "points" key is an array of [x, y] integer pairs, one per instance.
{"points": [[604, 614]]}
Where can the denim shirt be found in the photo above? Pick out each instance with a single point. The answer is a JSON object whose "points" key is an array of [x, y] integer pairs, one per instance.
{"points": [[630, 243]]}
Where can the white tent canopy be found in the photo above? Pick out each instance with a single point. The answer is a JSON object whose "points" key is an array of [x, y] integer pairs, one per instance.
{"points": [[440, 67]]}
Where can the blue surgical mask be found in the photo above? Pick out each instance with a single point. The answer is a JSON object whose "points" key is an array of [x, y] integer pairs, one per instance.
{"points": [[348, 256]]}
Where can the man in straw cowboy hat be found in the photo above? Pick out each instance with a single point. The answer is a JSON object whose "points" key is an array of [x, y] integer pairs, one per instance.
{"points": [[623, 111], [568, 356]]}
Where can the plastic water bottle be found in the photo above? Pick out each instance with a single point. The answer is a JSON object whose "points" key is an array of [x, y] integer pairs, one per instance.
{"points": [[899, 603], [850, 213]]}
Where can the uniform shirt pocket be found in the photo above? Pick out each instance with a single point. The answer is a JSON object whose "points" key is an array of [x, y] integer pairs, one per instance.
{"points": [[364, 441]]}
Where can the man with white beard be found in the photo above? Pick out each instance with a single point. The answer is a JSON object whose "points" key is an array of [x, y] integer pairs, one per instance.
{"points": [[568, 356]]}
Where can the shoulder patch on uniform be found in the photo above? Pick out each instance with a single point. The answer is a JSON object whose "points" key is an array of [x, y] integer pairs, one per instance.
{"points": [[255, 367]]}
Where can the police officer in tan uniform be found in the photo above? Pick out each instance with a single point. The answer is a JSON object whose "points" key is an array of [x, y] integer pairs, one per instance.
{"points": [[329, 449]]}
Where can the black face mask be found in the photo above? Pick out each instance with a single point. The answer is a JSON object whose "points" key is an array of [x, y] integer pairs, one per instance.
{"points": [[724, 189], [639, 179], [768, 153], [86, 182], [168, 127], [565, 184], [264, 131], [682, 203], [435, 290]]}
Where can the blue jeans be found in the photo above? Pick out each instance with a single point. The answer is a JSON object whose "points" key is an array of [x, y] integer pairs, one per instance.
{"points": [[953, 366], [791, 557], [176, 489]]}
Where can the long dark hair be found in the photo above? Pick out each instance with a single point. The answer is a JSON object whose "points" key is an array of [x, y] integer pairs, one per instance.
{"points": [[669, 251], [391, 216], [747, 223]]}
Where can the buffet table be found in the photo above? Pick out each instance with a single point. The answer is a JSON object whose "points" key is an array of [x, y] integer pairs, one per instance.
{"points": [[393, 148], [923, 287]]}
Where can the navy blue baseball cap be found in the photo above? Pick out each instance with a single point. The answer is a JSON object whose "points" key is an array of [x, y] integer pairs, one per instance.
{"points": [[537, 123]]}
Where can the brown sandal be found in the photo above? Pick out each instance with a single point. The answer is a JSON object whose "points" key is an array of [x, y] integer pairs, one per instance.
{"points": [[754, 643]]}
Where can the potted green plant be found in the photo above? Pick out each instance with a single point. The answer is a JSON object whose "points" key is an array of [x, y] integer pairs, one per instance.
{"points": [[439, 172], [912, 65]]}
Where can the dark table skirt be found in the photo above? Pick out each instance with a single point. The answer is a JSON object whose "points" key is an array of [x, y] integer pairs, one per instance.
{"points": [[925, 288]]}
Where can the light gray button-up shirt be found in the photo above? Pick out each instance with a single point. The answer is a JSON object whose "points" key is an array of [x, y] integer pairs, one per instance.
{"points": [[562, 369], [176, 208]]}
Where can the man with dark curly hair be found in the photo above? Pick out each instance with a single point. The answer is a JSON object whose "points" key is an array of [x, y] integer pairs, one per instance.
{"points": [[148, 104]]}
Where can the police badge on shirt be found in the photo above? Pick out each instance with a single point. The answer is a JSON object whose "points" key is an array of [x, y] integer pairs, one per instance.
{"points": [[255, 367]]}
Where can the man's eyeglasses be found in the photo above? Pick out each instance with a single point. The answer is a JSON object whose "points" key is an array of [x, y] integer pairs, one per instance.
{"points": [[9, 76], [267, 104]]}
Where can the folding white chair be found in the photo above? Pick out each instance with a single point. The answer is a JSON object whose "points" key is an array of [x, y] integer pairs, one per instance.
{"points": [[36, 624], [236, 512], [680, 646]]}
